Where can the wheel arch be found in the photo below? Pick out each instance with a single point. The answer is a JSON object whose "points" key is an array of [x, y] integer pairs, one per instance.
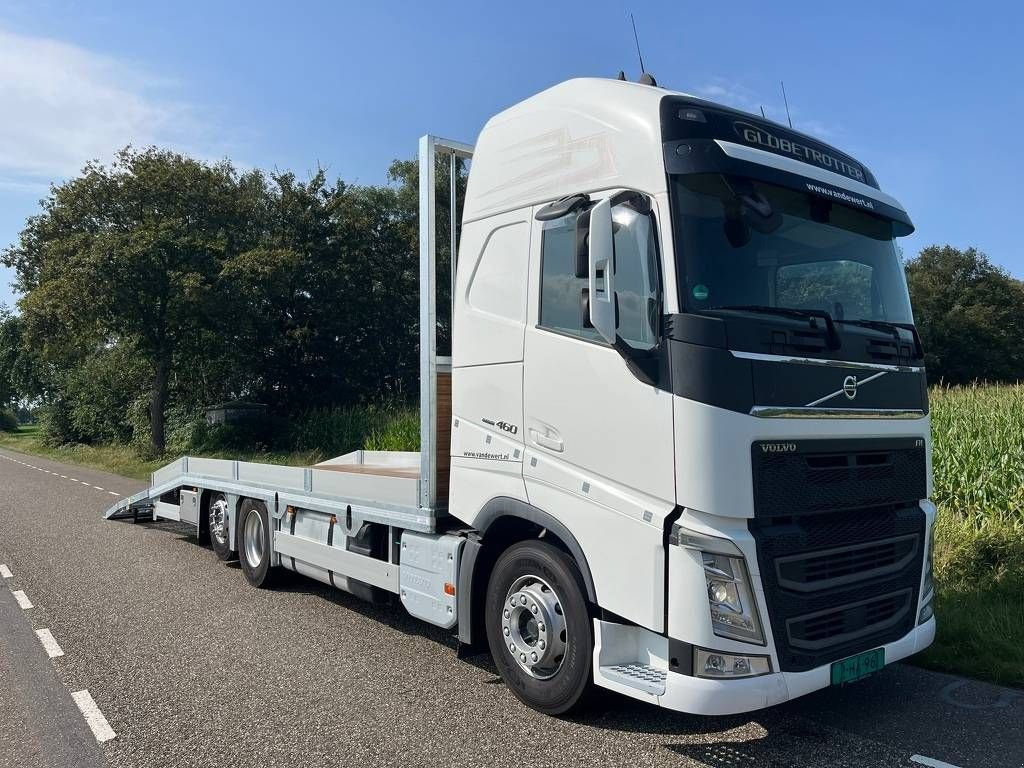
{"points": [[502, 522]]}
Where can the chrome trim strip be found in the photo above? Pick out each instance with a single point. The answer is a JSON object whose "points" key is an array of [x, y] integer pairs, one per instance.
{"points": [[829, 363], [842, 390], [806, 412]]}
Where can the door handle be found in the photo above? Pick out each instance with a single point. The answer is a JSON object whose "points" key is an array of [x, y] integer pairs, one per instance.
{"points": [[549, 438]]}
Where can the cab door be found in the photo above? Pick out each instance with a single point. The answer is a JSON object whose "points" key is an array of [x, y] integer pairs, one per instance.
{"points": [[598, 439]]}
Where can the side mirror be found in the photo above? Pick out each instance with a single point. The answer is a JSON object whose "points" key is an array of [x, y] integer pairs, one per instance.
{"points": [[601, 271]]}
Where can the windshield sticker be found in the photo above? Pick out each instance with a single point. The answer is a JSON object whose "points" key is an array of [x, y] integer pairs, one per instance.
{"points": [[845, 197], [700, 292], [753, 134]]}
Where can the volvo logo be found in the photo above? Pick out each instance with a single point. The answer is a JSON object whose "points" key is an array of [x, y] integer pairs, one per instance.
{"points": [[850, 387], [778, 447]]}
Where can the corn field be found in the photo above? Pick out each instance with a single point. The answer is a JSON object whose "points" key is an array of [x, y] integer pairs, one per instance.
{"points": [[978, 453]]}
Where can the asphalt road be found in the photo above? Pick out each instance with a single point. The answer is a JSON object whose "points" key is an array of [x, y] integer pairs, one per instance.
{"points": [[192, 667]]}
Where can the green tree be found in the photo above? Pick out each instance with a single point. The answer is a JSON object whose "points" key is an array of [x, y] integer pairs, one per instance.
{"points": [[130, 252], [19, 374], [969, 314]]}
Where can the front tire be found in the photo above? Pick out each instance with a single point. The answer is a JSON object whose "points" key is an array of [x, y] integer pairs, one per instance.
{"points": [[539, 628], [254, 543]]}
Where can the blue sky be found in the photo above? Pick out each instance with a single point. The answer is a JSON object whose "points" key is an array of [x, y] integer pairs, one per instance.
{"points": [[927, 94]]}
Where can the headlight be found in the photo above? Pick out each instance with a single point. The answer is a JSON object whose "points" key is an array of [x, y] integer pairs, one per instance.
{"points": [[717, 664], [731, 599], [729, 591]]}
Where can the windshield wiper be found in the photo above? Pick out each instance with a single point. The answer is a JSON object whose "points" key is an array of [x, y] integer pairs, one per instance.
{"points": [[803, 314], [893, 328]]}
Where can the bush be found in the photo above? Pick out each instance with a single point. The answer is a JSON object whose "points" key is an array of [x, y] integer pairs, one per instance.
{"points": [[57, 426], [400, 433], [101, 391], [336, 431], [8, 421]]}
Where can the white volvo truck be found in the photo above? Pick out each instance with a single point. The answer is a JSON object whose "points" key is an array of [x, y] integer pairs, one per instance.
{"points": [[680, 446]]}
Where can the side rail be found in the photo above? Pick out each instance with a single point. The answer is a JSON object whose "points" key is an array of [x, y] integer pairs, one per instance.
{"points": [[378, 499]]}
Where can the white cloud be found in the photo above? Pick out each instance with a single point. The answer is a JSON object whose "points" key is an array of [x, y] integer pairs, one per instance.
{"points": [[62, 105], [738, 95]]}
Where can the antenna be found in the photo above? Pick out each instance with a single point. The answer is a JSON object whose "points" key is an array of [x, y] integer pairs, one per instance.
{"points": [[784, 99], [637, 40], [762, 112]]}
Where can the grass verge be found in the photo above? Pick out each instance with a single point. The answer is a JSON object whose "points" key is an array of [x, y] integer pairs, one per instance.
{"points": [[979, 608], [125, 461]]}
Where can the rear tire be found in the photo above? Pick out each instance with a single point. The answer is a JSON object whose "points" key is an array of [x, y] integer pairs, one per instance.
{"points": [[254, 543], [217, 526], [539, 628]]}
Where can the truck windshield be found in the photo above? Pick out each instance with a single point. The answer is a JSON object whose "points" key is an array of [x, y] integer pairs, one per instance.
{"points": [[744, 245]]}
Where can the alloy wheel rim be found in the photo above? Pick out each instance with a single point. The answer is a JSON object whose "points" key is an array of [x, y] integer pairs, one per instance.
{"points": [[218, 521], [254, 538], [533, 627]]}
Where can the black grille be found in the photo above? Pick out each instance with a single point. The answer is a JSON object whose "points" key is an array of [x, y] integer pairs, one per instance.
{"points": [[845, 623], [808, 572], [838, 579], [792, 478]]}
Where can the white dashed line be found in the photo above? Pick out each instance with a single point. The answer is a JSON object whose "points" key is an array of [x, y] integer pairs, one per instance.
{"points": [[97, 722], [22, 599], [5, 572], [930, 761], [46, 638], [62, 477]]}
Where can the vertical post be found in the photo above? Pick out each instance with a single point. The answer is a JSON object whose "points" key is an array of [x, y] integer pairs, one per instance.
{"points": [[453, 219], [428, 327]]}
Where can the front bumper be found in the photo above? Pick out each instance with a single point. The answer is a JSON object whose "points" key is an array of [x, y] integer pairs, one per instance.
{"points": [[701, 696]]}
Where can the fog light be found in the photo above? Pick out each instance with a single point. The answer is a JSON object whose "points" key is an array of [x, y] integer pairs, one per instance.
{"points": [[726, 665]]}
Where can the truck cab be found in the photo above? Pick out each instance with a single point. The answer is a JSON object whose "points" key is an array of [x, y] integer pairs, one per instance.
{"points": [[683, 356]]}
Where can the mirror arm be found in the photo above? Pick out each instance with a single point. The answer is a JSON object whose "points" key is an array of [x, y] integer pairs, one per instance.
{"points": [[641, 363]]}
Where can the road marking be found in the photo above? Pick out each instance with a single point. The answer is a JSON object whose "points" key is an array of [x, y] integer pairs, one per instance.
{"points": [[97, 722], [98, 488], [930, 761], [22, 599], [5, 572], [113, 493], [73, 479], [46, 638], [65, 477]]}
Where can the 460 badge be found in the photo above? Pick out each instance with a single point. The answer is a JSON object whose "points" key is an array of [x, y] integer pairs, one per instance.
{"points": [[504, 426]]}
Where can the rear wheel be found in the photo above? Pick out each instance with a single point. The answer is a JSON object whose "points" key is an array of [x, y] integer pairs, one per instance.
{"points": [[217, 526], [539, 629], [254, 543]]}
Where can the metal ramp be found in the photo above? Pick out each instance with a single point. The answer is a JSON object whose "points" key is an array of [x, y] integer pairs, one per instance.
{"points": [[138, 506]]}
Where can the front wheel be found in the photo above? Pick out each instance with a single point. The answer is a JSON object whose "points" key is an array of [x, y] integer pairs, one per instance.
{"points": [[539, 628]]}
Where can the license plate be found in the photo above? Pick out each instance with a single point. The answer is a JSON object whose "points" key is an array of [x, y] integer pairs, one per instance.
{"points": [[857, 667]]}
